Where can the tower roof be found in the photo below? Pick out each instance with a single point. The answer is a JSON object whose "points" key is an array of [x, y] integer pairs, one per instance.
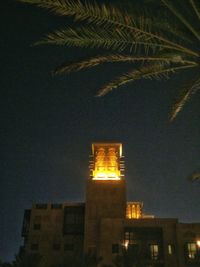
{"points": [[106, 163]]}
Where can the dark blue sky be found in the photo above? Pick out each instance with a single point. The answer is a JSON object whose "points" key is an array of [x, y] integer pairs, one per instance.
{"points": [[48, 124]]}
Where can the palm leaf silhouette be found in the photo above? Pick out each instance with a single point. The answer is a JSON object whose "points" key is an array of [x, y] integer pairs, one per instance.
{"points": [[154, 48]]}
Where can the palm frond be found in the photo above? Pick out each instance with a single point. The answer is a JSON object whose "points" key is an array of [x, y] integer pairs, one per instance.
{"points": [[196, 9], [159, 47], [92, 13], [92, 37], [181, 18], [152, 71], [95, 61], [107, 17], [84, 11], [92, 62], [184, 98], [113, 38], [163, 24]]}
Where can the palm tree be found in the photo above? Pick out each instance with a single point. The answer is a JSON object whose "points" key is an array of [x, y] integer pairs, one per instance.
{"points": [[155, 48], [156, 43]]}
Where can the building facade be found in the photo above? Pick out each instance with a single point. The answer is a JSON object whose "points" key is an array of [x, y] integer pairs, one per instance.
{"points": [[107, 226]]}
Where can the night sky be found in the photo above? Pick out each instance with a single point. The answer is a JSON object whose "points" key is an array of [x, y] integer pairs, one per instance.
{"points": [[48, 124]]}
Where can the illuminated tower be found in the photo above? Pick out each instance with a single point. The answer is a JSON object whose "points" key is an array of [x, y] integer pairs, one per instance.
{"points": [[107, 162], [105, 193], [108, 226]]}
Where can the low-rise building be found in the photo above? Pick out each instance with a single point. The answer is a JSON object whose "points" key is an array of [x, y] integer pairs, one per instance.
{"points": [[108, 226]]}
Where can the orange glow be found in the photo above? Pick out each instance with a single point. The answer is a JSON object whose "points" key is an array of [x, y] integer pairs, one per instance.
{"points": [[134, 210], [106, 163], [198, 243]]}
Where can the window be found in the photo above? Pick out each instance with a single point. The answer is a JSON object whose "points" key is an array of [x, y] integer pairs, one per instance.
{"points": [[37, 226], [41, 206], [154, 251], [115, 248], [129, 237], [34, 246], [56, 206], [37, 219], [170, 249], [191, 250], [126, 235], [70, 219], [74, 220], [56, 246], [133, 210], [69, 247]]}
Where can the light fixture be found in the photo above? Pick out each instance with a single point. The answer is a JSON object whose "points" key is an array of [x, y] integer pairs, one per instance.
{"points": [[126, 244]]}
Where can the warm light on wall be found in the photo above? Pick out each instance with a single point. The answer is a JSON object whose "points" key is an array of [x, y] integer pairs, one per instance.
{"points": [[198, 243], [106, 163], [126, 243]]}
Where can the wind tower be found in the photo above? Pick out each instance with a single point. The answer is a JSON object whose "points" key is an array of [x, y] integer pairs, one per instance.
{"points": [[105, 195]]}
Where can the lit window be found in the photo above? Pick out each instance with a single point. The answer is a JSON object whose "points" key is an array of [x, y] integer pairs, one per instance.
{"points": [[170, 249], [133, 210], [154, 251], [126, 244], [191, 250], [129, 238]]}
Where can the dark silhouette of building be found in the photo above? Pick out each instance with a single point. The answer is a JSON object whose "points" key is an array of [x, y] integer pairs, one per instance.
{"points": [[108, 226]]}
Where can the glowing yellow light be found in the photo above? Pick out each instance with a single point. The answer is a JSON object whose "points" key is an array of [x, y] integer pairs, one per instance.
{"points": [[126, 244], [105, 176], [106, 164], [134, 210], [198, 243]]}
